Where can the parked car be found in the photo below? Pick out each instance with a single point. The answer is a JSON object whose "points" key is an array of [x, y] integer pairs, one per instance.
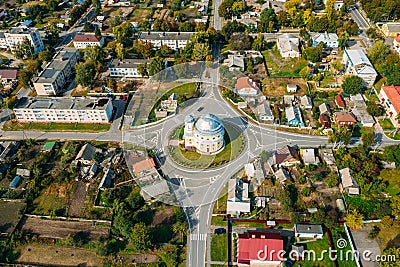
{"points": [[219, 231]]}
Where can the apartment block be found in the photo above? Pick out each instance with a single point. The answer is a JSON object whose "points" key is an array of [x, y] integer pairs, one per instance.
{"points": [[64, 110], [127, 68], [52, 79], [10, 38], [174, 40]]}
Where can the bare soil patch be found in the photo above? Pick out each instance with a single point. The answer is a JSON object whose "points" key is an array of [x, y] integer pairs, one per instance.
{"points": [[164, 216], [277, 86], [56, 255], [77, 200], [61, 229], [9, 215]]}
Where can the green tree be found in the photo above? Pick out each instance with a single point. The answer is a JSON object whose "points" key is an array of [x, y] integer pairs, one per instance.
{"points": [[240, 41], [24, 78], [354, 219], [112, 84], [396, 206], [378, 52], [223, 10], [95, 55], [238, 8], [343, 40], [200, 51], [120, 51], [368, 138], [141, 237], [313, 54], [123, 33], [332, 180], [97, 7], [45, 55], [24, 49], [145, 48], [180, 228], [186, 27], [340, 135], [142, 69], [52, 32], [168, 255], [156, 65], [267, 18], [353, 85], [85, 73], [259, 43]]}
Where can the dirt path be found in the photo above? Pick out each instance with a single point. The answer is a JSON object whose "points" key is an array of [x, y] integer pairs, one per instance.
{"points": [[77, 200]]}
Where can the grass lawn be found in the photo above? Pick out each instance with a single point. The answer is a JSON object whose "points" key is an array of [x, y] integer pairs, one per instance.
{"points": [[327, 80], [278, 66], [56, 127], [220, 204], [392, 177], [342, 262], [317, 246], [45, 204], [219, 247], [388, 237], [9, 215], [219, 221], [192, 159], [386, 125], [248, 224]]}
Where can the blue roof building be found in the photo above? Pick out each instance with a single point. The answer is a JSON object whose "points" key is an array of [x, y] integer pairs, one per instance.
{"points": [[15, 182]]}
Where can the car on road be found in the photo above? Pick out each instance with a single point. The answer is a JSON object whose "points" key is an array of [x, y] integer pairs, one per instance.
{"points": [[200, 109], [219, 231]]}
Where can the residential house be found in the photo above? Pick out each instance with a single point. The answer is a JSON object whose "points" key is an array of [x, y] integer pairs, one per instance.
{"points": [[396, 43], [348, 185], [81, 41], [264, 112], [107, 179], [282, 175], [359, 109], [390, 99], [288, 45], [12, 37], [305, 102], [391, 29], [127, 68], [86, 154], [328, 157], [297, 252], [24, 173], [250, 170], [170, 105], [247, 87], [15, 182], [48, 146], [330, 39], [324, 109], [143, 166], [8, 77], [337, 5], [64, 110], [294, 117], [357, 63], [9, 150], [291, 88], [325, 122], [309, 156], [174, 40], [252, 245], [234, 63], [289, 99], [238, 197], [285, 156], [340, 101], [308, 231], [344, 118]]}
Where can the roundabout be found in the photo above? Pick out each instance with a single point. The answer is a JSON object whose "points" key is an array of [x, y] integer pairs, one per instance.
{"points": [[187, 156]]}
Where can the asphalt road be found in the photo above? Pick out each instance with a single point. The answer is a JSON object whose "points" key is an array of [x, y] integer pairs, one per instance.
{"points": [[359, 19]]}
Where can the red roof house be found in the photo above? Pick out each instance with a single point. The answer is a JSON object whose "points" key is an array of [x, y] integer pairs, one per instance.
{"points": [[325, 121], [82, 41], [260, 247], [344, 118], [246, 86], [340, 101]]}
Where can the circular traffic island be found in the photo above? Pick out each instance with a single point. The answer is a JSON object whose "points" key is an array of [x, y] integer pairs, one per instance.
{"points": [[205, 143]]}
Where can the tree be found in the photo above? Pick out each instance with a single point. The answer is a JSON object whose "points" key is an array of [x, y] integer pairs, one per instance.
{"points": [[45, 55], [112, 84], [332, 180], [24, 49], [120, 51], [156, 65], [259, 43], [313, 54], [142, 69], [52, 32], [123, 33], [231, 27], [141, 237], [296, 217], [340, 135], [240, 41], [186, 27], [396, 206], [223, 10], [238, 8], [95, 55], [378, 52], [368, 138], [354, 219], [343, 40], [336, 65], [353, 85], [85, 73], [267, 19], [200, 27], [200, 51], [24, 78], [145, 48], [180, 228], [97, 7]]}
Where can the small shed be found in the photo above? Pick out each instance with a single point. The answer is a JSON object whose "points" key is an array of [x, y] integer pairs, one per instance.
{"points": [[291, 88], [15, 182], [48, 147]]}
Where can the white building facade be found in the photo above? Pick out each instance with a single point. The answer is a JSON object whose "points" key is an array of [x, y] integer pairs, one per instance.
{"points": [[12, 37], [127, 68], [174, 40], [357, 63], [64, 110]]}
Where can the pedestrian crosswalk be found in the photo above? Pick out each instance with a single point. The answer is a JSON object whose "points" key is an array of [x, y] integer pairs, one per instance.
{"points": [[200, 237]]}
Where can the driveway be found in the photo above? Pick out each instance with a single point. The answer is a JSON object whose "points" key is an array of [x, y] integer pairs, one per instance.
{"points": [[363, 243]]}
